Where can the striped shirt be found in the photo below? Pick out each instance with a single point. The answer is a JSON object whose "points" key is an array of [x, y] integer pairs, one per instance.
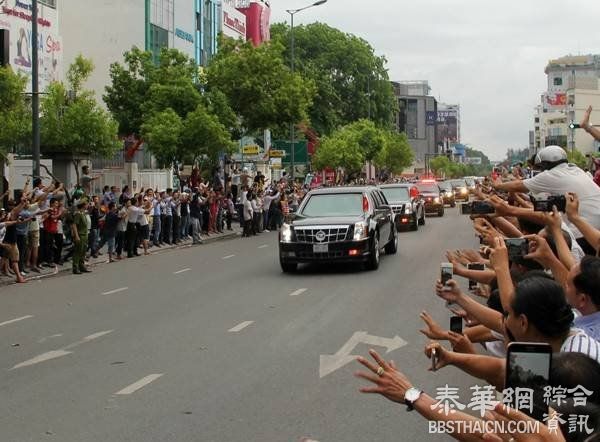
{"points": [[579, 342]]}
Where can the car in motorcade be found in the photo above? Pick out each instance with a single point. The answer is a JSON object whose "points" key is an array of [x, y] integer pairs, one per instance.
{"points": [[406, 203], [471, 183], [338, 224], [447, 193], [431, 195], [461, 190]]}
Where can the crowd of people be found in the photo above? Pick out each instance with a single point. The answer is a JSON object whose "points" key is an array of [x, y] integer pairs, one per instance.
{"points": [[549, 293], [49, 225]]}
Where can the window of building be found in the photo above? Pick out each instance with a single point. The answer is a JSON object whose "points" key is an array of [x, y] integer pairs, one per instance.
{"points": [[51, 3], [159, 38], [558, 81], [412, 119], [537, 119]]}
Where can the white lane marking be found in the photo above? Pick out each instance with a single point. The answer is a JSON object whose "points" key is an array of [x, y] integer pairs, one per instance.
{"points": [[41, 341], [42, 358], [12, 321], [60, 352], [181, 271], [298, 292], [228, 256], [240, 326], [112, 292], [264, 246], [139, 384]]}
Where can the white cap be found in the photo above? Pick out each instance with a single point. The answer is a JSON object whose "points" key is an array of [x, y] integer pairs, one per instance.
{"points": [[551, 154]]}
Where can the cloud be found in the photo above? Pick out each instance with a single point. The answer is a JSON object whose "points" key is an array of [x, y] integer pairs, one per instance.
{"points": [[487, 56]]}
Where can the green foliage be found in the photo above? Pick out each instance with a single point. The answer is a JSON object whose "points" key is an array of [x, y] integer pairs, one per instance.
{"points": [[339, 150], [577, 157], [14, 112], [396, 155], [345, 69], [351, 146], [162, 131], [259, 86], [76, 125], [517, 156], [439, 165], [167, 108], [204, 134], [126, 95]]}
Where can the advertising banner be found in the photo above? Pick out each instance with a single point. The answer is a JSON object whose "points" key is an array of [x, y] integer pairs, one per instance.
{"points": [[447, 126], [16, 16], [556, 99], [233, 21]]}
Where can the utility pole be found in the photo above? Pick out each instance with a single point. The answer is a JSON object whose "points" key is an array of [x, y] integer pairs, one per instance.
{"points": [[35, 93]]}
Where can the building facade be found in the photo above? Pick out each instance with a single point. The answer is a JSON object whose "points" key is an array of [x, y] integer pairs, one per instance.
{"points": [[15, 30], [417, 117], [573, 85]]}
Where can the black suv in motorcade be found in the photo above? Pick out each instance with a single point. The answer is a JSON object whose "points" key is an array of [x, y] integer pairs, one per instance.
{"points": [[447, 193], [339, 224], [431, 194], [407, 205], [461, 190]]}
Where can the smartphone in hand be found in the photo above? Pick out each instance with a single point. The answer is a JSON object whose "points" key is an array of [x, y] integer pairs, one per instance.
{"points": [[528, 367], [446, 271], [456, 324], [474, 266], [517, 247]]}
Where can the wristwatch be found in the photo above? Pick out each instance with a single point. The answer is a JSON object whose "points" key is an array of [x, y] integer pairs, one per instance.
{"points": [[411, 396]]}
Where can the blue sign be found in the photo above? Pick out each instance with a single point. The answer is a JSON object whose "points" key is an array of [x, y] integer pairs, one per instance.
{"points": [[184, 35], [430, 118]]}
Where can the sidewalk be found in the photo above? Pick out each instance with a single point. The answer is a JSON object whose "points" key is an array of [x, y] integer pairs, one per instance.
{"points": [[103, 259]]}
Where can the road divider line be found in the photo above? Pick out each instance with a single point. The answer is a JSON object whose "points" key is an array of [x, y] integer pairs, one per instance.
{"points": [[240, 326], [12, 321], [298, 292], [181, 271], [228, 256], [264, 246], [112, 292], [60, 352], [139, 384]]}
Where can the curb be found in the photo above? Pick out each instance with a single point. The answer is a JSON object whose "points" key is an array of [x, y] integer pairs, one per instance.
{"points": [[207, 240]]}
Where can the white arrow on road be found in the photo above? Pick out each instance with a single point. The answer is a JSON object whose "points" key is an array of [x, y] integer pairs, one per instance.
{"points": [[330, 363]]}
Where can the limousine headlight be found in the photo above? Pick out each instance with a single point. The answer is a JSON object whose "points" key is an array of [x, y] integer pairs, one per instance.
{"points": [[286, 233], [361, 231]]}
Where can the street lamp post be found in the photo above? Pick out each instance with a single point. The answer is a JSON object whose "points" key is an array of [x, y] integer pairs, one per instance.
{"points": [[293, 12], [35, 96]]}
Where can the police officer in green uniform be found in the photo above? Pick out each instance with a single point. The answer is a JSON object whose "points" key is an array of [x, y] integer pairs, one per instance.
{"points": [[79, 232]]}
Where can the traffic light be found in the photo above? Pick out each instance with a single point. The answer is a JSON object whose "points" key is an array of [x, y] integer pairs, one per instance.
{"points": [[573, 126]]}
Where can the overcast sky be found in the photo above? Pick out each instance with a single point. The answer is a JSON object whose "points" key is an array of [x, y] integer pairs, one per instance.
{"points": [[488, 56]]}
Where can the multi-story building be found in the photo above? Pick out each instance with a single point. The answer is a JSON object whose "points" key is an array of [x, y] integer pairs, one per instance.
{"points": [[417, 117], [15, 39], [573, 85], [104, 31]]}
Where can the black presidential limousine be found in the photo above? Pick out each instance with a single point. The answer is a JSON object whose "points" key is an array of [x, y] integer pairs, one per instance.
{"points": [[339, 224]]}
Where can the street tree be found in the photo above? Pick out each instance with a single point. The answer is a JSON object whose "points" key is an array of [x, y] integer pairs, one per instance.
{"points": [[439, 164], [259, 86], [15, 115], [396, 155], [71, 120], [162, 131], [352, 82]]}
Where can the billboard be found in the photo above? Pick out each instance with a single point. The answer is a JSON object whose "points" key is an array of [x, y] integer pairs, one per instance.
{"points": [[16, 16], [556, 99], [258, 22], [233, 21], [447, 126]]}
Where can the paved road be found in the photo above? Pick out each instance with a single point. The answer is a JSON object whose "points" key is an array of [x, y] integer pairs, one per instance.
{"points": [[207, 344]]}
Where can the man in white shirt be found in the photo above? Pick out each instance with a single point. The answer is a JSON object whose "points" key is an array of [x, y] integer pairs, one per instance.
{"points": [[582, 294], [558, 178]]}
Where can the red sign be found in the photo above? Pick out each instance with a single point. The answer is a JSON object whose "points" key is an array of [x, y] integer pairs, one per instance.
{"points": [[24, 16], [557, 99], [258, 22], [234, 23]]}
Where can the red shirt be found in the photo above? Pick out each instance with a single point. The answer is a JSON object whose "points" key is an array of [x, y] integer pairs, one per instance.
{"points": [[51, 223]]}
